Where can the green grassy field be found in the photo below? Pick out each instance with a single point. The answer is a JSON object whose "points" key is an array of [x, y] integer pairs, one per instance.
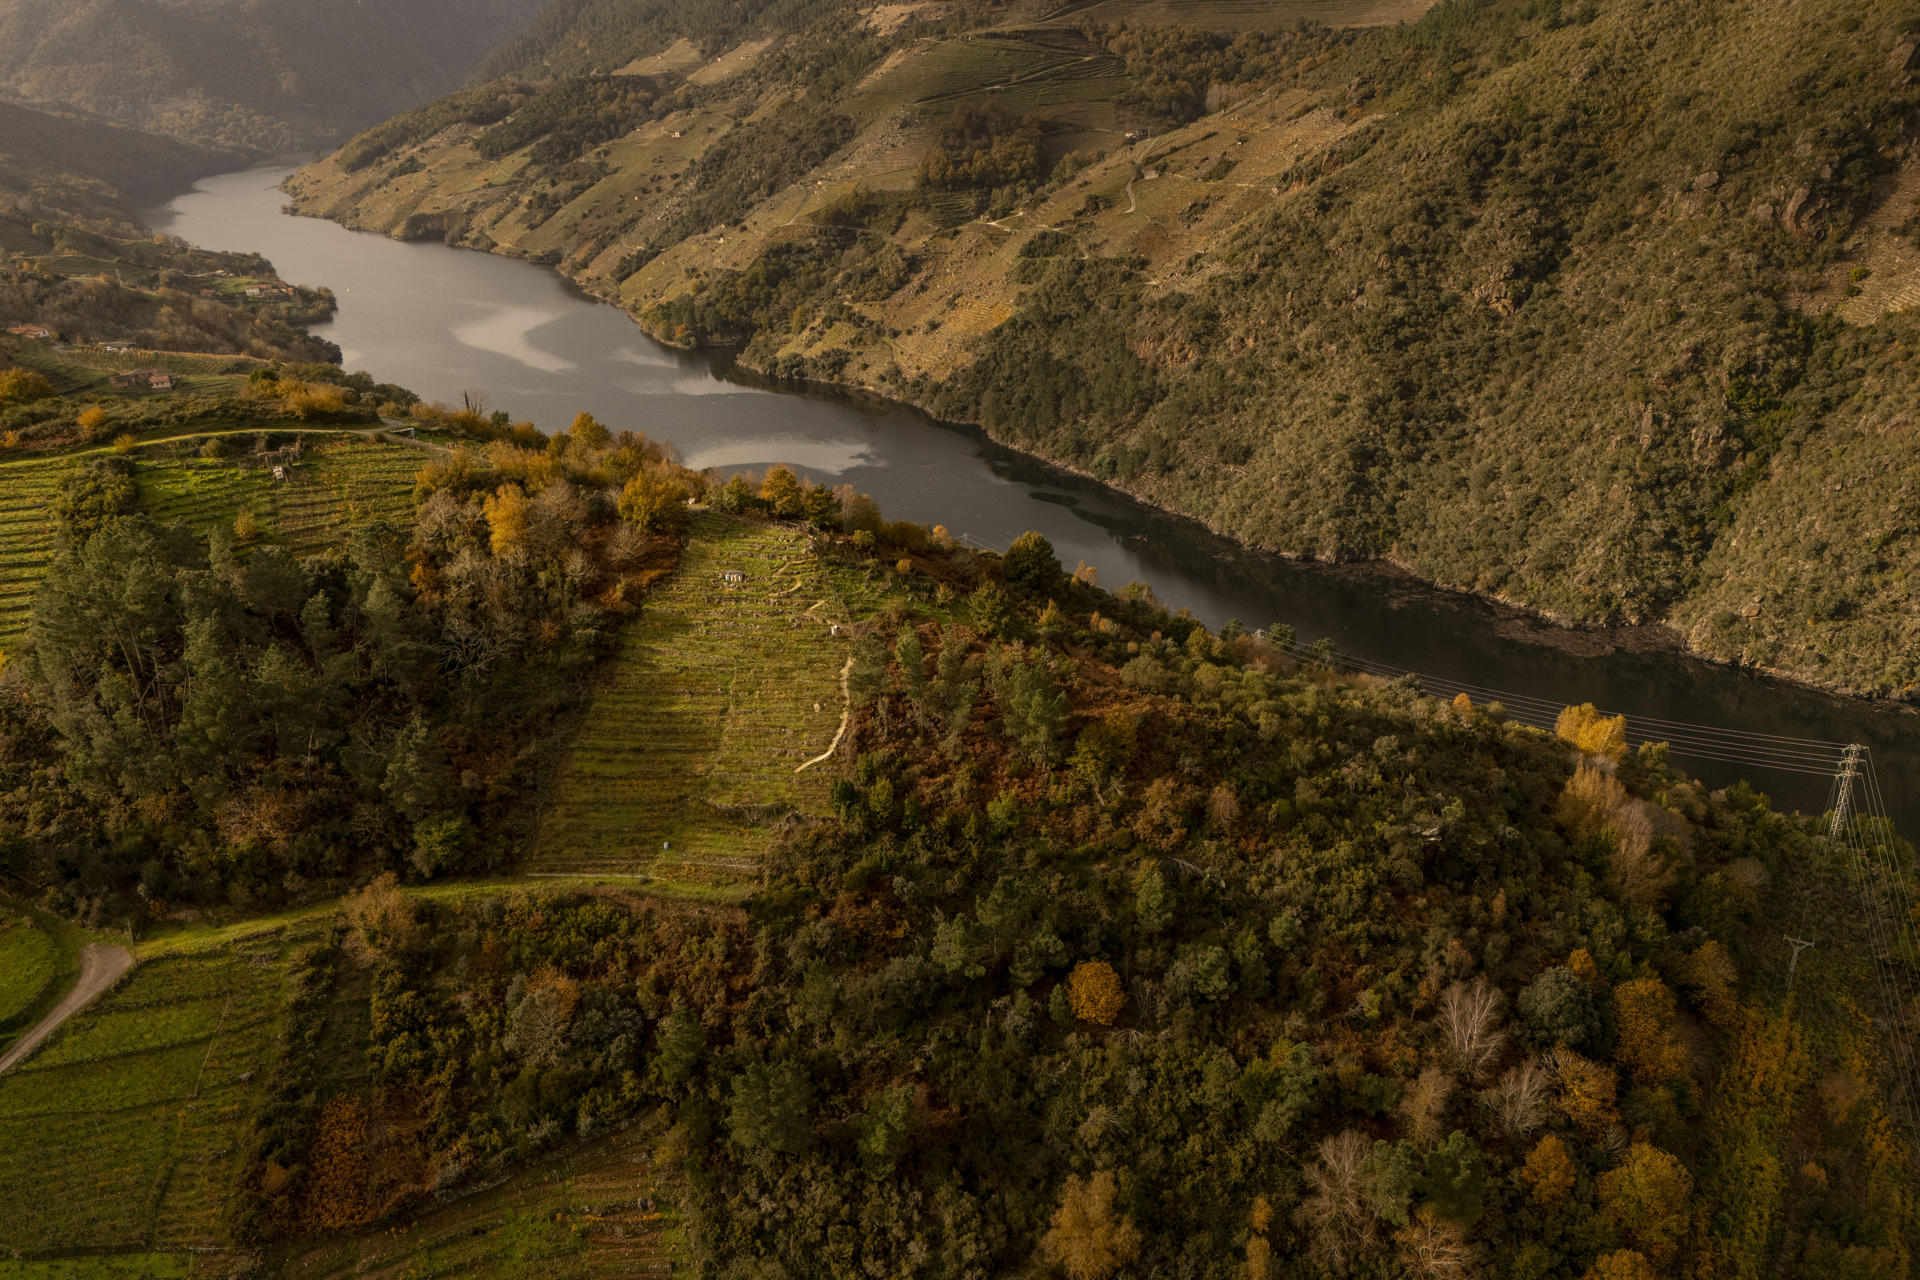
{"points": [[344, 479], [123, 1133], [688, 756], [30, 963]]}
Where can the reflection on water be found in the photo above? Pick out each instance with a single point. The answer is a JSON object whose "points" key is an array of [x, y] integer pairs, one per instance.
{"points": [[508, 332], [828, 458], [449, 323]]}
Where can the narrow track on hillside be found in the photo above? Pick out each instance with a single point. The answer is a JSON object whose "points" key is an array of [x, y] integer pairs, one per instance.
{"points": [[101, 965]]}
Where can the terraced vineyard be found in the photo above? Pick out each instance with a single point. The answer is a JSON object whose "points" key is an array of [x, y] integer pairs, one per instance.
{"points": [[123, 1132], [342, 480], [26, 539], [688, 760], [595, 1214], [204, 494]]}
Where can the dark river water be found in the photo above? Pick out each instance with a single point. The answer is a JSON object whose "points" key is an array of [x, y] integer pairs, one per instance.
{"points": [[448, 322]]}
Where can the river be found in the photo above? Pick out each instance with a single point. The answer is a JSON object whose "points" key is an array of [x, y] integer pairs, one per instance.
{"points": [[450, 322]]}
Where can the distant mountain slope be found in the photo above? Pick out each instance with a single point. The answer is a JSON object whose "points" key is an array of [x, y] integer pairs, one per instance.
{"points": [[1594, 308], [262, 73], [41, 151]]}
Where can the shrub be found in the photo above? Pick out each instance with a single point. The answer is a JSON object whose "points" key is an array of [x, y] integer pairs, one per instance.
{"points": [[23, 386]]}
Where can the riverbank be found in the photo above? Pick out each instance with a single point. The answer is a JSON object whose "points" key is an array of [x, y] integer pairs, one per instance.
{"points": [[1515, 617], [525, 340]]}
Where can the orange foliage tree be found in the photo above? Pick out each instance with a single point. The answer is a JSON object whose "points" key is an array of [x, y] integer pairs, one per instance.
{"points": [[1089, 1238], [1094, 989], [1587, 1091], [1548, 1172]]}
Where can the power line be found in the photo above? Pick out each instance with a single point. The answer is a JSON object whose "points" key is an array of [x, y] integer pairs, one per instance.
{"points": [[1778, 752]]}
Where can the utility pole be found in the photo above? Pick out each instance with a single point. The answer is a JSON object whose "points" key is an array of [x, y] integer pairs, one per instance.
{"points": [[1843, 806], [1880, 897]]}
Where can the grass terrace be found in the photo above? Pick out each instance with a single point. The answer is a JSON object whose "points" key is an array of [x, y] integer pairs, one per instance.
{"points": [[690, 755]]}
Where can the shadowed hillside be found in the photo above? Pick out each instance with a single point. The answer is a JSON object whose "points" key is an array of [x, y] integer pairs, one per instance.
{"points": [[272, 74]]}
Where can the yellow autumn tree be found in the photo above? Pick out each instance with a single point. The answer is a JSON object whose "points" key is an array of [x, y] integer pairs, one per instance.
{"points": [[1089, 1238], [652, 502], [1650, 1044], [1621, 1264], [92, 419], [783, 493], [1094, 990], [23, 386], [506, 514], [589, 431], [1587, 1092], [1646, 1199], [1710, 974], [1593, 733], [1548, 1173]]}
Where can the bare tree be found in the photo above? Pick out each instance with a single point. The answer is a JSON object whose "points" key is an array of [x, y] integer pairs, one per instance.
{"points": [[1434, 1248], [1520, 1098], [1471, 1023], [1335, 1210]]}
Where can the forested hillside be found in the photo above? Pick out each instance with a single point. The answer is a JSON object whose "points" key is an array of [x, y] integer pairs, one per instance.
{"points": [[266, 74], [1090, 943], [1599, 309], [46, 152]]}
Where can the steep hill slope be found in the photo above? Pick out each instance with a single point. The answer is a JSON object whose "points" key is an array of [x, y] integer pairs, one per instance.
{"points": [[274, 74], [1117, 947], [1595, 309], [50, 153]]}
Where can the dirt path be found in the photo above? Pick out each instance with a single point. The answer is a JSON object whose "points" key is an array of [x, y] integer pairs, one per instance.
{"points": [[845, 715], [100, 967]]}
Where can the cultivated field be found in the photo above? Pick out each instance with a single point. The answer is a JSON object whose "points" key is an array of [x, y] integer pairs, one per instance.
{"points": [[123, 1133], [595, 1214], [687, 761], [344, 479]]}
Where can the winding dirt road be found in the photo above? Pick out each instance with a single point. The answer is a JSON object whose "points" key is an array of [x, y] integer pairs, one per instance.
{"points": [[100, 967]]}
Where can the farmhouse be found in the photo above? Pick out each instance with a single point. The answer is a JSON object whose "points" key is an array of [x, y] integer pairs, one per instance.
{"points": [[142, 380], [36, 332]]}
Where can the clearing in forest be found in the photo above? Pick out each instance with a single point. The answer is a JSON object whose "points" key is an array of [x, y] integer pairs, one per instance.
{"points": [[725, 685]]}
